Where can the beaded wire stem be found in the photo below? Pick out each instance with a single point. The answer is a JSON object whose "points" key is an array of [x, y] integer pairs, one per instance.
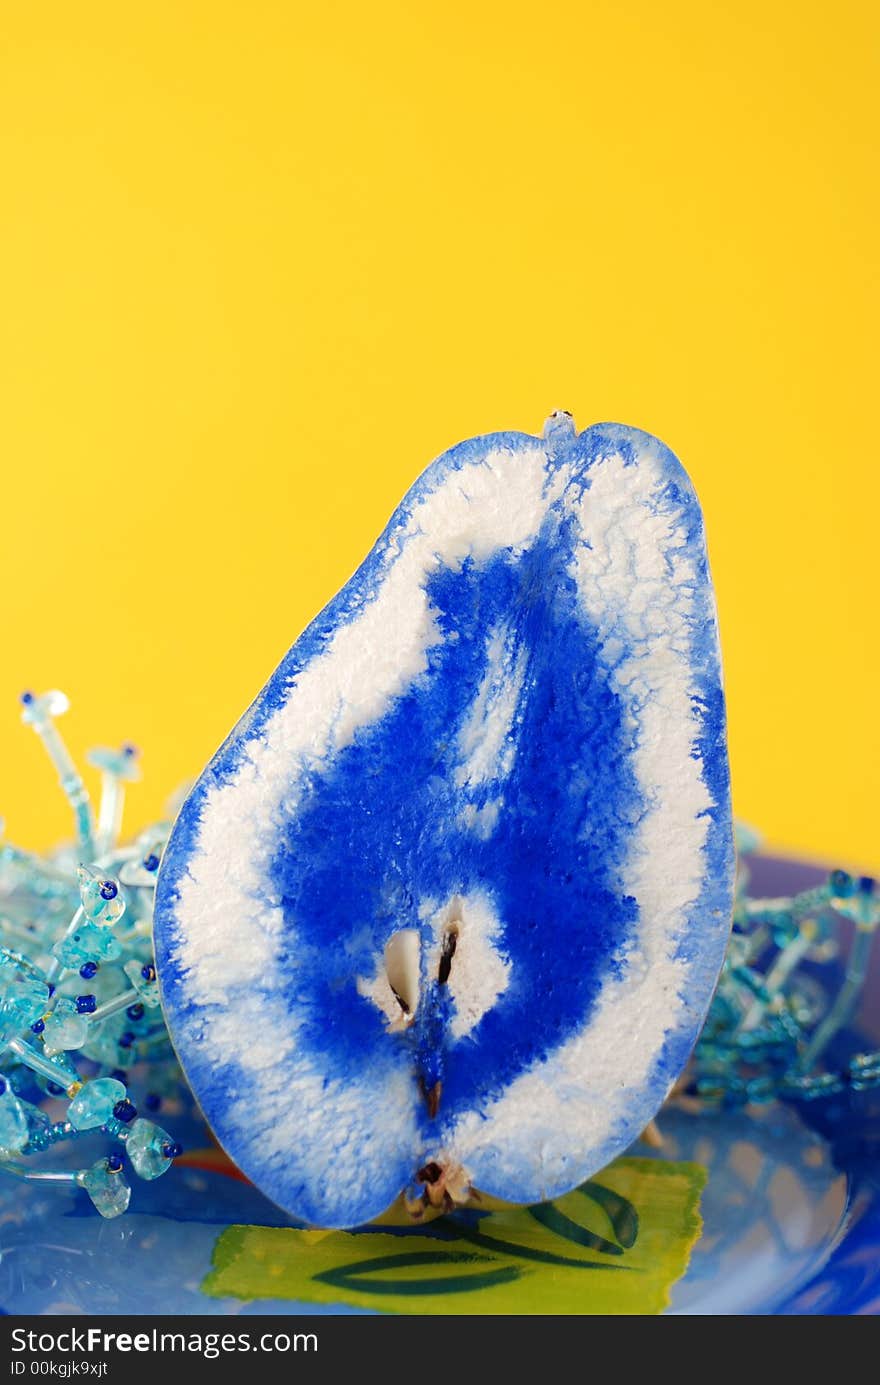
{"points": [[79, 1000]]}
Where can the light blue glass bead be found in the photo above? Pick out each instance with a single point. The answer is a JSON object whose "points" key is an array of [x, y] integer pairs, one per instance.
{"points": [[143, 870], [36, 711], [65, 1028], [13, 1122], [101, 897], [122, 764], [142, 976], [93, 1105], [107, 1188], [39, 1127], [746, 838], [22, 999], [89, 943], [144, 1148], [103, 1044], [857, 899]]}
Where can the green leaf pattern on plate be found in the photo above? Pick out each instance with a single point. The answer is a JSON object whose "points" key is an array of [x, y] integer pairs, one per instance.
{"points": [[615, 1245]]}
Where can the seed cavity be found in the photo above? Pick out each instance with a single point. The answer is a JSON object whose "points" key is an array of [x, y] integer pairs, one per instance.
{"points": [[450, 943], [402, 968]]}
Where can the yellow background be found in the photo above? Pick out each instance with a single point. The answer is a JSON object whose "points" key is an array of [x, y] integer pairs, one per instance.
{"points": [[261, 262]]}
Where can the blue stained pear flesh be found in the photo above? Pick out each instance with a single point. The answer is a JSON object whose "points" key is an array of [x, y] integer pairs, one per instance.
{"points": [[447, 907]]}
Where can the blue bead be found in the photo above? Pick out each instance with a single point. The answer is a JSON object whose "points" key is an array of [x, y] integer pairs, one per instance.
{"points": [[109, 890], [114, 1163], [135, 1012], [124, 1111], [38, 1026], [151, 862], [88, 970], [26, 698], [86, 1004]]}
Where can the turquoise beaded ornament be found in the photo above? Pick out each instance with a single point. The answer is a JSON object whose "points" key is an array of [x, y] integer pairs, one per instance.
{"points": [[771, 1032], [79, 1001], [80, 1020]]}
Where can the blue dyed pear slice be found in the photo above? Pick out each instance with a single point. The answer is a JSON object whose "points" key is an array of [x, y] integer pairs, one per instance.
{"points": [[448, 906]]}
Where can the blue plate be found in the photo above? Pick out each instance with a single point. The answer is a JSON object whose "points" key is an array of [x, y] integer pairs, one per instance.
{"points": [[791, 1209]]}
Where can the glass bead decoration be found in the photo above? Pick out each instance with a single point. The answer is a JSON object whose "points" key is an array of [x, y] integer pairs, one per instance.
{"points": [[22, 998], [146, 1147], [65, 1027], [121, 764], [93, 1104], [143, 871], [44, 708], [88, 943], [13, 1123], [143, 978], [106, 1185], [102, 899]]}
